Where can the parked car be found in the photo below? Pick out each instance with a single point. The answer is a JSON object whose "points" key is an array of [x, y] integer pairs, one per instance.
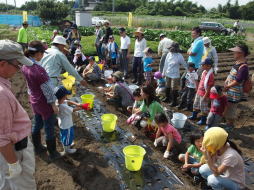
{"points": [[214, 26], [98, 20]]}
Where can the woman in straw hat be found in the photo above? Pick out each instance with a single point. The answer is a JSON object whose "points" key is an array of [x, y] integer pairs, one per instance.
{"points": [[140, 46]]}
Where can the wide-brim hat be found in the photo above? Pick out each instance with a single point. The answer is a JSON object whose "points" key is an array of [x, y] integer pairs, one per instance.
{"points": [[206, 40], [139, 31], [236, 49], [175, 48], [118, 74], [59, 40]]}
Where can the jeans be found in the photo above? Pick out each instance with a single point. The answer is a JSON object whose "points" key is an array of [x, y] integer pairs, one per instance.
{"points": [[217, 182], [48, 125], [98, 50], [137, 67], [191, 160]]}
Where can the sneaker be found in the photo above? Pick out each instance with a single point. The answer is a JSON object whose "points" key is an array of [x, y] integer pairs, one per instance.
{"points": [[69, 150]]}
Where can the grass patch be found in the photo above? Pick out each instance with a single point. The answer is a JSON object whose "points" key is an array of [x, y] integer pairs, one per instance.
{"points": [[7, 33], [87, 43]]}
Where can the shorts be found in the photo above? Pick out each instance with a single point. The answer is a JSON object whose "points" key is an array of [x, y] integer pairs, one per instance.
{"points": [[231, 111], [173, 84], [148, 76], [213, 119], [201, 104], [67, 136]]}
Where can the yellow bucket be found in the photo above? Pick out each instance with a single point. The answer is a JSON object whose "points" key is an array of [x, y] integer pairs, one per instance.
{"points": [[96, 58], [67, 83], [134, 157], [65, 75], [108, 122], [87, 99]]}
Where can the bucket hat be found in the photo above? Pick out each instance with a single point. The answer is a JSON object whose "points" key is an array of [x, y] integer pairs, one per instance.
{"points": [[59, 40], [139, 30], [78, 51], [118, 74], [206, 40], [10, 50]]}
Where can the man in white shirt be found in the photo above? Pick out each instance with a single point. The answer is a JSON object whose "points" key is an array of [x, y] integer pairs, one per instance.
{"points": [[164, 44], [124, 51]]}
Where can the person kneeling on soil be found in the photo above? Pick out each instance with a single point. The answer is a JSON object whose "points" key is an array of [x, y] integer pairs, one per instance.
{"points": [[138, 101], [65, 118], [218, 105], [170, 135], [193, 158], [225, 165], [202, 96], [109, 89], [122, 96], [92, 71]]}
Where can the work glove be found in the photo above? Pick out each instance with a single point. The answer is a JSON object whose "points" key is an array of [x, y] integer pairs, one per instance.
{"points": [[143, 123], [158, 140], [14, 170], [166, 154]]}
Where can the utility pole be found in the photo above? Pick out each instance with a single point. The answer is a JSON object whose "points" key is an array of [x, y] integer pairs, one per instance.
{"points": [[113, 6], [15, 3]]}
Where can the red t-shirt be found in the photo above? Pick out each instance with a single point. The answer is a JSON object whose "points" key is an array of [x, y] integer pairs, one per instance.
{"points": [[201, 87], [218, 105], [170, 129]]}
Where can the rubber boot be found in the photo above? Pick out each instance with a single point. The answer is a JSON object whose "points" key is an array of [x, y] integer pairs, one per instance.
{"points": [[38, 147], [202, 121], [51, 147], [193, 116], [174, 98], [69, 150], [168, 95]]}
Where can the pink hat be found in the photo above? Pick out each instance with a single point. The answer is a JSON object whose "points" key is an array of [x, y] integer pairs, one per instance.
{"points": [[157, 75]]}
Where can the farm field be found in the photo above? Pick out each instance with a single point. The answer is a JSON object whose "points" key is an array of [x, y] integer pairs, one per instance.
{"points": [[89, 169]]}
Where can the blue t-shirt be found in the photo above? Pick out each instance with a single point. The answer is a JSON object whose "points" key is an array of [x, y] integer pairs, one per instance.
{"points": [[198, 48], [147, 61]]}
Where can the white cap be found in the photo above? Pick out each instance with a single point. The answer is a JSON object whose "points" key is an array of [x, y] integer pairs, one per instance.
{"points": [[206, 40], [10, 50], [59, 40]]}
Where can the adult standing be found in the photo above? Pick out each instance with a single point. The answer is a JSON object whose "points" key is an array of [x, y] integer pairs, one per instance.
{"points": [[140, 46], [54, 62], [197, 48], [98, 39], [225, 166], [171, 71], [164, 44], [234, 82], [42, 99], [73, 36], [67, 28], [108, 31], [124, 51], [211, 53], [17, 162], [22, 35]]}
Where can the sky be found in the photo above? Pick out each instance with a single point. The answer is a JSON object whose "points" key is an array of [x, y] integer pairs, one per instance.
{"points": [[206, 3]]}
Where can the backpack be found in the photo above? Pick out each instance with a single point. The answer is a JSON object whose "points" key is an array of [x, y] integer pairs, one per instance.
{"points": [[247, 85]]}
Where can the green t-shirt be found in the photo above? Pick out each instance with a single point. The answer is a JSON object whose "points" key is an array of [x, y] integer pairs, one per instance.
{"points": [[22, 36], [153, 109], [194, 152]]}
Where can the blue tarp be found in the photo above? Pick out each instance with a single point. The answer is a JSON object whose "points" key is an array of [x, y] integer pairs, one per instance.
{"points": [[16, 20]]}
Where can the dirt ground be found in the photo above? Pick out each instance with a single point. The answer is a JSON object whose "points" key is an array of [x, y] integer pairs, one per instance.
{"points": [[89, 170]]}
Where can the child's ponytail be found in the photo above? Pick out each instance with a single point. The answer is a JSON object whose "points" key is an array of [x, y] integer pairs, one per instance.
{"points": [[234, 146]]}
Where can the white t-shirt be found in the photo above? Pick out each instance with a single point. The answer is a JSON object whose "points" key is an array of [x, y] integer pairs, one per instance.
{"points": [[65, 116], [140, 46], [191, 78], [235, 164], [125, 42]]}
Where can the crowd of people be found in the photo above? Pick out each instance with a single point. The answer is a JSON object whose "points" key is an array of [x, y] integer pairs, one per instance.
{"points": [[211, 155]]}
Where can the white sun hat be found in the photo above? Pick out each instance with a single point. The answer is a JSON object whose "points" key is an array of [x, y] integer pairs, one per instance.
{"points": [[59, 40], [206, 40]]}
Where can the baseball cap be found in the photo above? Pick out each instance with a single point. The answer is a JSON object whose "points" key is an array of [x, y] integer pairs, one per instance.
{"points": [[10, 50], [207, 61], [61, 91], [161, 35], [191, 65], [122, 29]]}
